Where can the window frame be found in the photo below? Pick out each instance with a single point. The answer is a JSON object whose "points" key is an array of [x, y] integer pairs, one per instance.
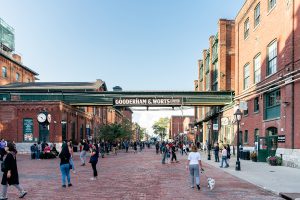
{"points": [[18, 77], [272, 105], [256, 105], [246, 78], [4, 72], [246, 28], [272, 70], [257, 69], [270, 5], [257, 17], [246, 137]]}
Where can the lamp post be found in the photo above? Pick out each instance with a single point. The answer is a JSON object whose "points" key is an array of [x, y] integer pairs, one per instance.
{"points": [[238, 117], [208, 140]]}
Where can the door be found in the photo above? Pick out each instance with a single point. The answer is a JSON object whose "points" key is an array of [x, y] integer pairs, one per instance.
{"points": [[272, 140], [262, 149]]}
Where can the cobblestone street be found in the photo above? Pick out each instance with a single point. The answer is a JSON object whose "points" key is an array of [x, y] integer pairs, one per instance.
{"points": [[129, 176]]}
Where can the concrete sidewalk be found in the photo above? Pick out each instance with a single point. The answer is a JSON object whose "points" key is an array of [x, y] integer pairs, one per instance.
{"points": [[277, 179]]}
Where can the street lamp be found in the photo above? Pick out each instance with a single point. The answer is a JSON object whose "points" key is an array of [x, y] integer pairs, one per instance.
{"points": [[208, 140], [238, 117]]}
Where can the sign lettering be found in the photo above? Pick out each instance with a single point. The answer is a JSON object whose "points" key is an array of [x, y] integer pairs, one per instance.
{"points": [[281, 139], [147, 102], [28, 129]]}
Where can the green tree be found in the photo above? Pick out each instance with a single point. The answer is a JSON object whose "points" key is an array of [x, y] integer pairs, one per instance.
{"points": [[114, 132], [160, 127]]}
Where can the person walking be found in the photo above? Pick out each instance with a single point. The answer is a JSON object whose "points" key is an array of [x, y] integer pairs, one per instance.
{"points": [[83, 152], [3, 144], [157, 147], [10, 172], [65, 165], [173, 149], [94, 160], [224, 158], [216, 151], [193, 163], [135, 147], [70, 147]]}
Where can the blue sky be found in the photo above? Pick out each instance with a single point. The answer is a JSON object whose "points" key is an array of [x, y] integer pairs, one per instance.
{"points": [[136, 44]]}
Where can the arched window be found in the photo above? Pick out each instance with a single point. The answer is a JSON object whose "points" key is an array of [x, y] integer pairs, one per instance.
{"points": [[271, 131]]}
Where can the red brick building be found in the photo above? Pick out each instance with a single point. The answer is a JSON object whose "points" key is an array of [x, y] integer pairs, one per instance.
{"points": [[267, 76], [180, 125], [216, 73]]}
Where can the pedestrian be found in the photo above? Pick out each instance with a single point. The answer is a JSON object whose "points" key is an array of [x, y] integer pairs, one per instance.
{"points": [[94, 160], [228, 152], [126, 145], [193, 163], [157, 147], [216, 152], [65, 165], [224, 158], [33, 151], [164, 152], [39, 149], [71, 161], [83, 152], [173, 150], [135, 147], [3, 144], [184, 147], [10, 172]]}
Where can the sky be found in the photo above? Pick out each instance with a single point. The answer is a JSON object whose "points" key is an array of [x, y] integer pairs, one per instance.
{"points": [[135, 44]]}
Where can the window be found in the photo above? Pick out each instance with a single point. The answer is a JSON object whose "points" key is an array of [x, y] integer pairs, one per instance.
{"points": [[246, 137], [246, 28], [256, 134], [201, 72], [257, 67], [256, 104], [272, 101], [215, 77], [28, 80], [257, 15], [272, 58], [272, 4], [207, 74], [4, 72], [17, 77], [246, 76], [246, 112], [215, 49]]}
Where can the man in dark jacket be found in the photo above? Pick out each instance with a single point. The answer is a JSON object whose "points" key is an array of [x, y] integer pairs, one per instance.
{"points": [[216, 151]]}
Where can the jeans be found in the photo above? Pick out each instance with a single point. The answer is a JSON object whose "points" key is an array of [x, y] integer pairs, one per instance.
{"points": [[164, 158], [83, 156], [72, 163], [37, 156], [224, 158], [217, 157], [65, 172], [194, 174]]}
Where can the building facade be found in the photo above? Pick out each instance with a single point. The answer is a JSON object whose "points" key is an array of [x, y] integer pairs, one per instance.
{"points": [[216, 73], [179, 127], [267, 77]]}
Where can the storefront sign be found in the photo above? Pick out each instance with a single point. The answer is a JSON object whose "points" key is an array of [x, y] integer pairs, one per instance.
{"points": [[28, 129], [215, 127], [147, 102], [281, 139], [224, 121]]}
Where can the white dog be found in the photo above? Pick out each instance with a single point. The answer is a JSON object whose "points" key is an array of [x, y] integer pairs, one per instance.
{"points": [[211, 183]]}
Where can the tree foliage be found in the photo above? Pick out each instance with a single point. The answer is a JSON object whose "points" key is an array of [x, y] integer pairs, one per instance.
{"points": [[115, 132], [160, 127]]}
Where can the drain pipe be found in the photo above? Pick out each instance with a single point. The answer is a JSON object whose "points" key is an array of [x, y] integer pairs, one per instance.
{"points": [[293, 85]]}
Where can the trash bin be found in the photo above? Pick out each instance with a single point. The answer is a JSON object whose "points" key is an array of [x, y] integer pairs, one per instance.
{"points": [[74, 148], [246, 154]]}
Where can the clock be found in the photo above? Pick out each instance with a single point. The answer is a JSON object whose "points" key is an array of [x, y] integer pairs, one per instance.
{"points": [[41, 117], [49, 118]]}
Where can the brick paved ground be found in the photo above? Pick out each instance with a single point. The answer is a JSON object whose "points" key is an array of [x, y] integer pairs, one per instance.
{"points": [[129, 176]]}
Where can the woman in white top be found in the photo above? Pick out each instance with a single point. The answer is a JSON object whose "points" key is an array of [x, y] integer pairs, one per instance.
{"points": [[194, 160]]}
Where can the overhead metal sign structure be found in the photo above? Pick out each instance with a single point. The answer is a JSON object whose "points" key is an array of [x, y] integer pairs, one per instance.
{"points": [[122, 98]]}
